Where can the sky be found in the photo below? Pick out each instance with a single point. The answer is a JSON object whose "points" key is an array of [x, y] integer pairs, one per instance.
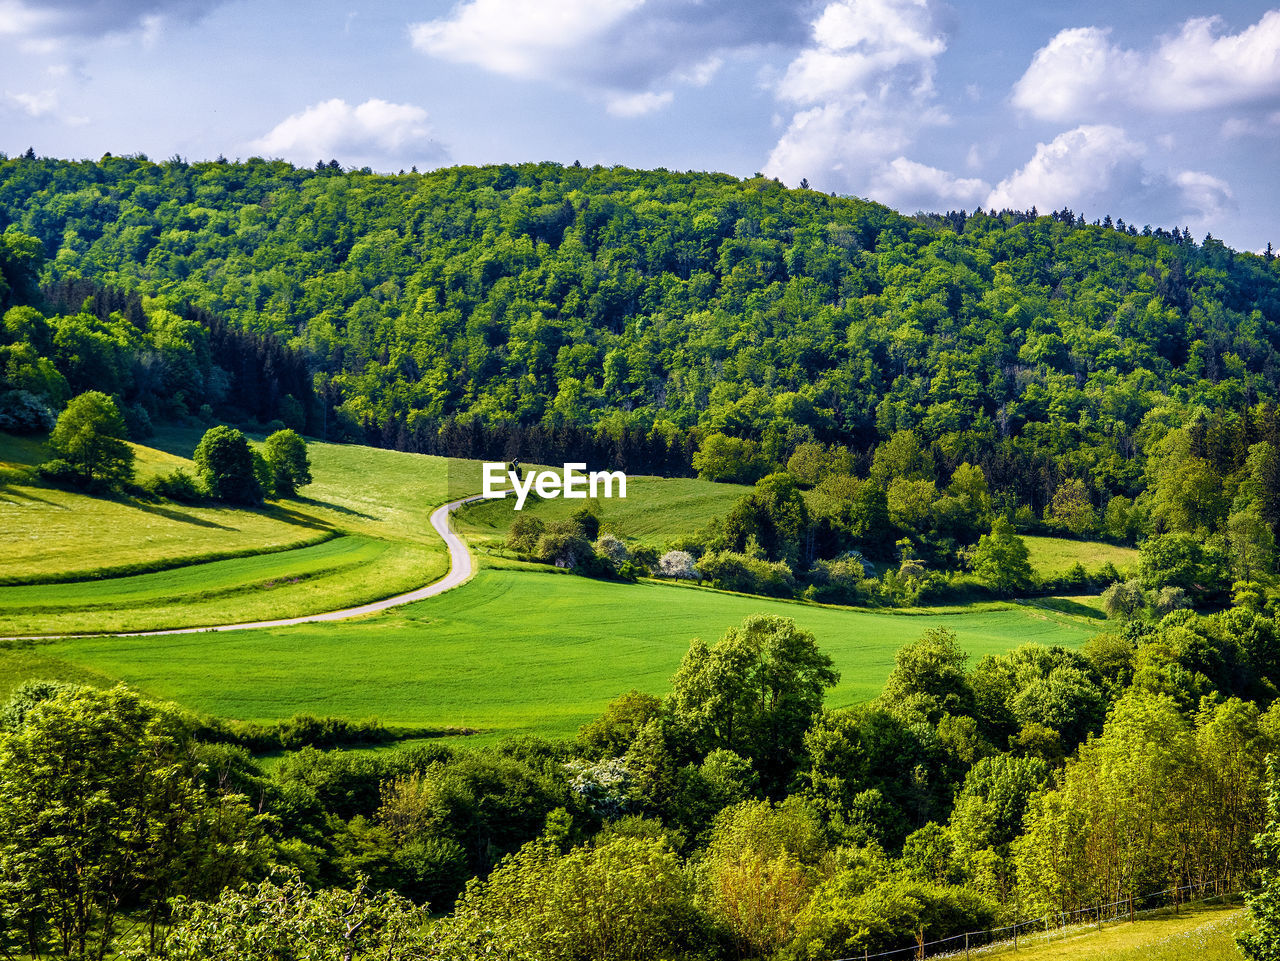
{"points": [[1163, 114]]}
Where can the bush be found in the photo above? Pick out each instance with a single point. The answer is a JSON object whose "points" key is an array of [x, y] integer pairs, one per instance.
{"points": [[58, 471], [750, 575], [524, 533], [138, 422], [177, 485], [678, 564], [842, 581], [1123, 599], [22, 412], [612, 549]]}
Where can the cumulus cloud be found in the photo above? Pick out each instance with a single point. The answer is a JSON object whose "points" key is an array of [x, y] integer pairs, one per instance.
{"points": [[907, 185], [374, 133], [631, 54], [1099, 169], [35, 104], [1080, 73], [864, 90], [1078, 167], [50, 21]]}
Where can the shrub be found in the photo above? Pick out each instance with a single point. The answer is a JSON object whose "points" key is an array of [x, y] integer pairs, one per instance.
{"points": [[843, 580], [1123, 599], [524, 533], [678, 564], [612, 549], [58, 471], [22, 412], [177, 485], [750, 575]]}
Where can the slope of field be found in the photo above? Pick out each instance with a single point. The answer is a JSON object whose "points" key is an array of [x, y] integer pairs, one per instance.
{"points": [[1051, 556], [1205, 934], [360, 532], [655, 510], [511, 650]]}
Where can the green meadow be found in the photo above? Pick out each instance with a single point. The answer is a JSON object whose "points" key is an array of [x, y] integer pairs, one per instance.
{"points": [[511, 651], [1050, 556], [655, 510], [71, 563]]}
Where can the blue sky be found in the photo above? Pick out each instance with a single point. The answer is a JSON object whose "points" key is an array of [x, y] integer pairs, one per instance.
{"points": [[1162, 115]]}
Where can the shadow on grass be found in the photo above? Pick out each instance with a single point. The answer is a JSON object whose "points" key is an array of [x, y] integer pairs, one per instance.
{"points": [[1066, 606], [173, 515], [336, 508], [26, 495]]}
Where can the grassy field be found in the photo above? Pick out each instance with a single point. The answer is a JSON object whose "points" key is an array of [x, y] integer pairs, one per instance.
{"points": [[1205, 934], [1057, 555], [358, 533], [510, 651], [655, 510]]}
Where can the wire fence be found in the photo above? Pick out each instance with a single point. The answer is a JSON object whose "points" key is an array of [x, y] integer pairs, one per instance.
{"points": [[1057, 924]]}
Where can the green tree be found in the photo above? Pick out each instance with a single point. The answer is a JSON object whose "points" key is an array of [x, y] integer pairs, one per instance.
{"points": [[928, 678], [286, 456], [283, 918], [90, 436], [729, 459], [103, 809], [620, 899], [754, 693], [1001, 559], [1263, 942], [1071, 510], [225, 461]]}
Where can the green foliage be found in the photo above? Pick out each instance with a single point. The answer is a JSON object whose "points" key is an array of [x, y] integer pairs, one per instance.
{"points": [[729, 459], [1001, 559], [754, 693], [226, 466], [1185, 561], [90, 436], [621, 899], [1263, 942], [102, 810], [286, 456], [284, 918]]}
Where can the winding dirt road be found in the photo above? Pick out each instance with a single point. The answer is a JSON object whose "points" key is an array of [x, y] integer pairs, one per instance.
{"points": [[460, 570]]}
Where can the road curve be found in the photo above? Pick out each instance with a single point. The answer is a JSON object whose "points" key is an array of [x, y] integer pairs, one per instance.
{"points": [[460, 570]]}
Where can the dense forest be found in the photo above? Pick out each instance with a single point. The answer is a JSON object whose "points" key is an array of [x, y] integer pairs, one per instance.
{"points": [[536, 308]]}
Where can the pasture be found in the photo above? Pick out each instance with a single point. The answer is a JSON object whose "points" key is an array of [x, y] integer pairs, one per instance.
{"points": [[655, 510], [72, 563], [509, 652], [1051, 556]]}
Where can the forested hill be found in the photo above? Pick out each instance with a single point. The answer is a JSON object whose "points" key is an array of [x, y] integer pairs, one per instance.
{"points": [[657, 308]]}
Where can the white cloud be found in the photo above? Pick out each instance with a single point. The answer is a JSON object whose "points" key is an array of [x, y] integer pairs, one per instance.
{"points": [[910, 186], [44, 24], [515, 37], [629, 54], [34, 104], [1080, 74], [638, 104], [374, 132], [1234, 128], [1204, 198], [864, 86], [1078, 167], [1098, 169]]}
